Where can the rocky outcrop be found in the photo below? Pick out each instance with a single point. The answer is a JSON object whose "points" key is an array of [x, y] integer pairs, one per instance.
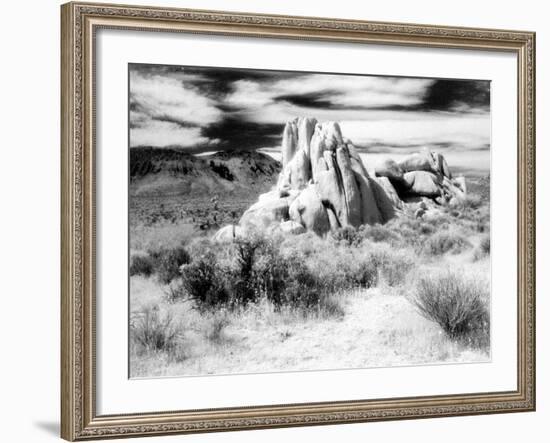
{"points": [[324, 184], [426, 160], [423, 174], [265, 212], [308, 210], [423, 183], [386, 197], [390, 169]]}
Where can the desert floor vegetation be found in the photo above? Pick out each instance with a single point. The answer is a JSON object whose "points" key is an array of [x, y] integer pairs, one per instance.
{"points": [[411, 291]]}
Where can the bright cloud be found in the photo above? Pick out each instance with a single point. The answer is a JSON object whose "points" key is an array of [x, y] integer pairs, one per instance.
{"points": [[340, 90], [168, 110], [158, 133], [463, 132]]}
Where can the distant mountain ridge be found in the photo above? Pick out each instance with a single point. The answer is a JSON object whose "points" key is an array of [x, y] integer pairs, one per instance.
{"points": [[172, 171]]}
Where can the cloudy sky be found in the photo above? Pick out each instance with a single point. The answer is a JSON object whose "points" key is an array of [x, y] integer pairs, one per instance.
{"points": [[209, 109]]}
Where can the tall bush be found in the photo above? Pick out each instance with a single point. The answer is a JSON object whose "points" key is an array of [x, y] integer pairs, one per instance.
{"points": [[167, 262], [456, 303]]}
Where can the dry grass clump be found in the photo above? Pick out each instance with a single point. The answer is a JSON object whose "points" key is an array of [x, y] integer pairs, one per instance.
{"points": [[308, 244], [444, 242], [485, 244], [141, 265], [470, 201], [379, 234], [347, 235], [413, 232], [393, 265], [484, 248], [167, 261], [215, 324], [343, 267], [350, 236], [472, 213], [457, 304], [203, 282], [164, 263], [152, 331]]}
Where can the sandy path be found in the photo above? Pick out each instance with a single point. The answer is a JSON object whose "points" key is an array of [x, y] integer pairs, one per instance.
{"points": [[377, 330]]}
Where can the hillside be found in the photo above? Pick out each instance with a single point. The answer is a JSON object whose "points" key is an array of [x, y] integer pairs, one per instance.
{"points": [[205, 190], [158, 172]]}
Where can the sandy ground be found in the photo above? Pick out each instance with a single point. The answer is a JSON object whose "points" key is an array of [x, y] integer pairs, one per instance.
{"points": [[380, 328]]}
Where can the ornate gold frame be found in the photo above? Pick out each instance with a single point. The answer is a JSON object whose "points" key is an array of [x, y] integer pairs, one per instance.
{"points": [[79, 21]]}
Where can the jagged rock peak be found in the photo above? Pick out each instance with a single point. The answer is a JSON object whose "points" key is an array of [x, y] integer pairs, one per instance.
{"points": [[324, 184]]}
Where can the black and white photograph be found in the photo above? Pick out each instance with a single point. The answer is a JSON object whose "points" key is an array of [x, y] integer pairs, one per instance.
{"points": [[304, 221]]}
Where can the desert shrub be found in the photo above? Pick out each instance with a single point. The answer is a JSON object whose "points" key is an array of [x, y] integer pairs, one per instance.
{"points": [[457, 304], [141, 265], [272, 274], [378, 233], [482, 226], [152, 331], [410, 231], [286, 280], [229, 275], [330, 307], [482, 220], [174, 292], [282, 279], [203, 281], [443, 242], [484, 248], [204, 246], [347, 235], [302, 288], [307, 293], [471, 201], [342, 267], [485, 244], [393, 266], [243, 279], [426, 228], [215, 325], [167, 262], [362, 271], [257, 267], [439, 222], [309, 244]]}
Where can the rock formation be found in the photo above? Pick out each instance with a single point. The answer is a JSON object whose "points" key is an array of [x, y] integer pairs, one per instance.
{"points": [[426, 174], [324, 184]]}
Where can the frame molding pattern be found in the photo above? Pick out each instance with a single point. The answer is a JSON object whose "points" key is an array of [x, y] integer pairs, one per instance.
{"points": [[78, 416]]}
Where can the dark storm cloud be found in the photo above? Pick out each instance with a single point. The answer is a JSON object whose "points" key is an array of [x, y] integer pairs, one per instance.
{"points": [[220, 82], [237, 133], [308, 100], [169, 119], [445, 95]]}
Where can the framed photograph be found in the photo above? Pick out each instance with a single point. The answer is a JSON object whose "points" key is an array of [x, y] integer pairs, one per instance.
{"points": [[277, 221]]}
